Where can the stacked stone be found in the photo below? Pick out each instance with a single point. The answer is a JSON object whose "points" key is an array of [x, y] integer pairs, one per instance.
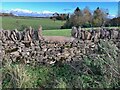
{"points": [[45, 52], [95, 34], [29, 34], [29, 46]]}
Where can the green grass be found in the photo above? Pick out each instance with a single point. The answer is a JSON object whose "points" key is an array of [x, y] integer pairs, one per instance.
{"points": [[58, 32], [17, 22], [50, 28]]}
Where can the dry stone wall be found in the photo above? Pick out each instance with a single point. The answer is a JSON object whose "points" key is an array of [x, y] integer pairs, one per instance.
{"points": [[30, 47], [95, 34]]}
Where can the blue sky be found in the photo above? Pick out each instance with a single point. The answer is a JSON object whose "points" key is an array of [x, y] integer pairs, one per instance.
{"points": [[60, 6], [59, 0]]}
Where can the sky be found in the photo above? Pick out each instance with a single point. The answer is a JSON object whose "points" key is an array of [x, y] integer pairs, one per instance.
{"points": [[60, 7], [60, 0]]}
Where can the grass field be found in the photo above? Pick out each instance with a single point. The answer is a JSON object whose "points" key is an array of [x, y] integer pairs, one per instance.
{"points": [[50, 28], [17, 22], [58, 32]]}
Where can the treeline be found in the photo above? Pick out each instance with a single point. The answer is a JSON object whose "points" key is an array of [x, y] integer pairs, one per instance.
{"points": [[57, 16], [6, 14], [86, 18], [114, 22]]}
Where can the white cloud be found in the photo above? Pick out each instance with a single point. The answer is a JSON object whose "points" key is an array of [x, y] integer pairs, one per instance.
{"points": [[26, 12], [112, 16], [5, 11], [21, 10], [44, 12], [29, 11]]}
